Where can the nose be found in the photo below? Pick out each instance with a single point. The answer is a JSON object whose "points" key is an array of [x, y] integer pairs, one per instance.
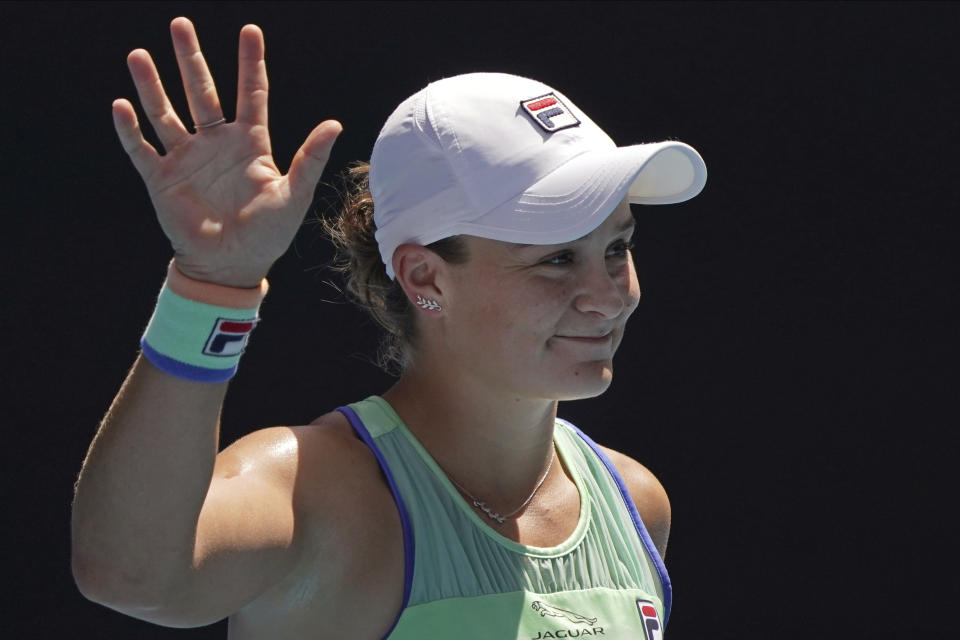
{"points": [[608, 294]]}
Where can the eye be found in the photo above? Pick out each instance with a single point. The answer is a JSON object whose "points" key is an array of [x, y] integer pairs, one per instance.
{"points": [[560, 259], [620, 249]]}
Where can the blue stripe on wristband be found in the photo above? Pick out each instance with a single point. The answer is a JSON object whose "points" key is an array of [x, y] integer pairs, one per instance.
{"points": [[184, 370], [190, 337]]}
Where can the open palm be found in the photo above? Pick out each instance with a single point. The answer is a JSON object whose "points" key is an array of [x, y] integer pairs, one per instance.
{"points": [[224, 205]]}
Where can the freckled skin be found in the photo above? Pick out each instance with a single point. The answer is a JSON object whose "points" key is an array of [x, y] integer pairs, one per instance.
{"points": [[512, 311]]}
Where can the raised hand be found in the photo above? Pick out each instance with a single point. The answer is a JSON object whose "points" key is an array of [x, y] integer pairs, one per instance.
{"points": [[224, 205]]}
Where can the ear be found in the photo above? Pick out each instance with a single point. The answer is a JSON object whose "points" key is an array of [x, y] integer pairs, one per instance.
{"points": [[417, 269]]}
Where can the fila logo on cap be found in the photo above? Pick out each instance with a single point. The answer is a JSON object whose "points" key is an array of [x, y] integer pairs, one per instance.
{"points": [[550, 113], [651, 620], [229, 337]]}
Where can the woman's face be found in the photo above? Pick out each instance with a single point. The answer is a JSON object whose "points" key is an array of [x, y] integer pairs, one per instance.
{"points": [[543, 321]]}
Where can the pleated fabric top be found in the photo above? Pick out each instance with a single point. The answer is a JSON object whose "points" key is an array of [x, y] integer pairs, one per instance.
{"points": [[464, 580]]}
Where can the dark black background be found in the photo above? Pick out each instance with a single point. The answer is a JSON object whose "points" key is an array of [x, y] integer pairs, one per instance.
{"points": [[788, 375]]}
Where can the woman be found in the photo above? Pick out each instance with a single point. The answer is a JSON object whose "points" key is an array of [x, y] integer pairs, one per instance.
{"points": [[493, 245]]}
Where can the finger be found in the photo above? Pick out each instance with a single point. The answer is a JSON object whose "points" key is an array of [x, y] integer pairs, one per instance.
{"points": [[311, 158], [154, 99], [144, 157], [197, 81], [252, 87]]}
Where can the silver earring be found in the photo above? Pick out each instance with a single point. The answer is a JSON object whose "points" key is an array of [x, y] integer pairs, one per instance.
{"points": [[428, 304]]}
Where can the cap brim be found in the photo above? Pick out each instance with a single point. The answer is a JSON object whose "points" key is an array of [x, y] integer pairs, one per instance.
{"points": [[578, 196]]}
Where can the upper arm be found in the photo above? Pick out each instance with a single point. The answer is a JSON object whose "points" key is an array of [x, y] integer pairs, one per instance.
{"points": [[648, 495], [248, 517], [246, 532], [282, 499]]}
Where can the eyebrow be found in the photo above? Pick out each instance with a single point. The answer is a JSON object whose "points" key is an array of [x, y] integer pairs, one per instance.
{"points": [[629, 223]]}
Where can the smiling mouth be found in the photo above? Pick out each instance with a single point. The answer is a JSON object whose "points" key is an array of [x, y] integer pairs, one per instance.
{"points": [[589, 339]]}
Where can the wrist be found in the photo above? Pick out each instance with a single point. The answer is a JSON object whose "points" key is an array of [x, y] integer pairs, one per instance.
{"points": [[221, 295], [229, 278], [199, 330]]}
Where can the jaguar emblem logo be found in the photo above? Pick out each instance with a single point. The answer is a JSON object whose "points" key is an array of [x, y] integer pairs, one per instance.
{"points": [[545, 609]]}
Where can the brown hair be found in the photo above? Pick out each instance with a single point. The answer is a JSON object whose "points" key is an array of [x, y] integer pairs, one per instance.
{"points": [[358, 258]]}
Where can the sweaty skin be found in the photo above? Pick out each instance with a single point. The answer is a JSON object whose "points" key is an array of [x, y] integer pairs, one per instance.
{"points": [[292, 527]]}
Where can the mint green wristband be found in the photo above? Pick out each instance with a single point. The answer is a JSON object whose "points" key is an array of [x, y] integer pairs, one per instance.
{"points": [[196, 340]]}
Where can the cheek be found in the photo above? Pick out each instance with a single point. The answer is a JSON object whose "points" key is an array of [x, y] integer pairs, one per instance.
{"points": [[632, 287], [634, 297], [510, 316], [544, 308], [517, 326], [519, 320]]}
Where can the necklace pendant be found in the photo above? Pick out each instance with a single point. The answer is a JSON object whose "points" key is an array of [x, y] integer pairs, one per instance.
{"points": [[493, 515]]}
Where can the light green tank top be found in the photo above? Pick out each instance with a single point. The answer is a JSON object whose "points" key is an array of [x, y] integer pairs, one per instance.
{"points": [[464, 580]]}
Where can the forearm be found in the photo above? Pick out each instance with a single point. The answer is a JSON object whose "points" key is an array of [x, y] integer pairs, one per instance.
{"points": [[229, 214], [143, 484]]}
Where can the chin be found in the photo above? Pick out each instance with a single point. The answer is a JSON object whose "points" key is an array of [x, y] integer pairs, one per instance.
{"points": [[587, 380]]}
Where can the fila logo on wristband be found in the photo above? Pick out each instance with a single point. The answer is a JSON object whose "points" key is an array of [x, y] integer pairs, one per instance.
{"points": [[229, 337], [651, 620], [550, 113]]}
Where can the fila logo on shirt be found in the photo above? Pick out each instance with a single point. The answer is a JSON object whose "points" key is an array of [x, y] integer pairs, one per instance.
{"points": [[651, 620], [550, 113], [229, 337]]}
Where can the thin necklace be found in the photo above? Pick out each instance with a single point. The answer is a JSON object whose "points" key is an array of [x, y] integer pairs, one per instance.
{"points": [[480, 504]]}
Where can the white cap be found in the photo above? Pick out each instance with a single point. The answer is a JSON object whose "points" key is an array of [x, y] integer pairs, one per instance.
{"points": [[508, 158]]}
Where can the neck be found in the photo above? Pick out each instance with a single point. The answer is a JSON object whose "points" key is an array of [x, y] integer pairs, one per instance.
{"points": [[495, 446]]}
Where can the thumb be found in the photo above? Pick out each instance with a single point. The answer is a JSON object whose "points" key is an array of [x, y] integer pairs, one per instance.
{"points": [[311, 158]]}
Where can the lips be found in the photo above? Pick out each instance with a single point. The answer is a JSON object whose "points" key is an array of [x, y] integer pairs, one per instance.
{"points": [[589, 339]]}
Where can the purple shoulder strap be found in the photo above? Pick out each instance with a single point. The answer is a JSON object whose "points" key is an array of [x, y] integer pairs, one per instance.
{"points": [[408, 545], [637, 522]]}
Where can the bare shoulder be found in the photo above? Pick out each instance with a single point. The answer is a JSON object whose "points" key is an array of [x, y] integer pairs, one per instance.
{"points": [[648, 495], [274, 505], [276, 454], [314, 464], [299, 489], [276, 488], [346, 528]]}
